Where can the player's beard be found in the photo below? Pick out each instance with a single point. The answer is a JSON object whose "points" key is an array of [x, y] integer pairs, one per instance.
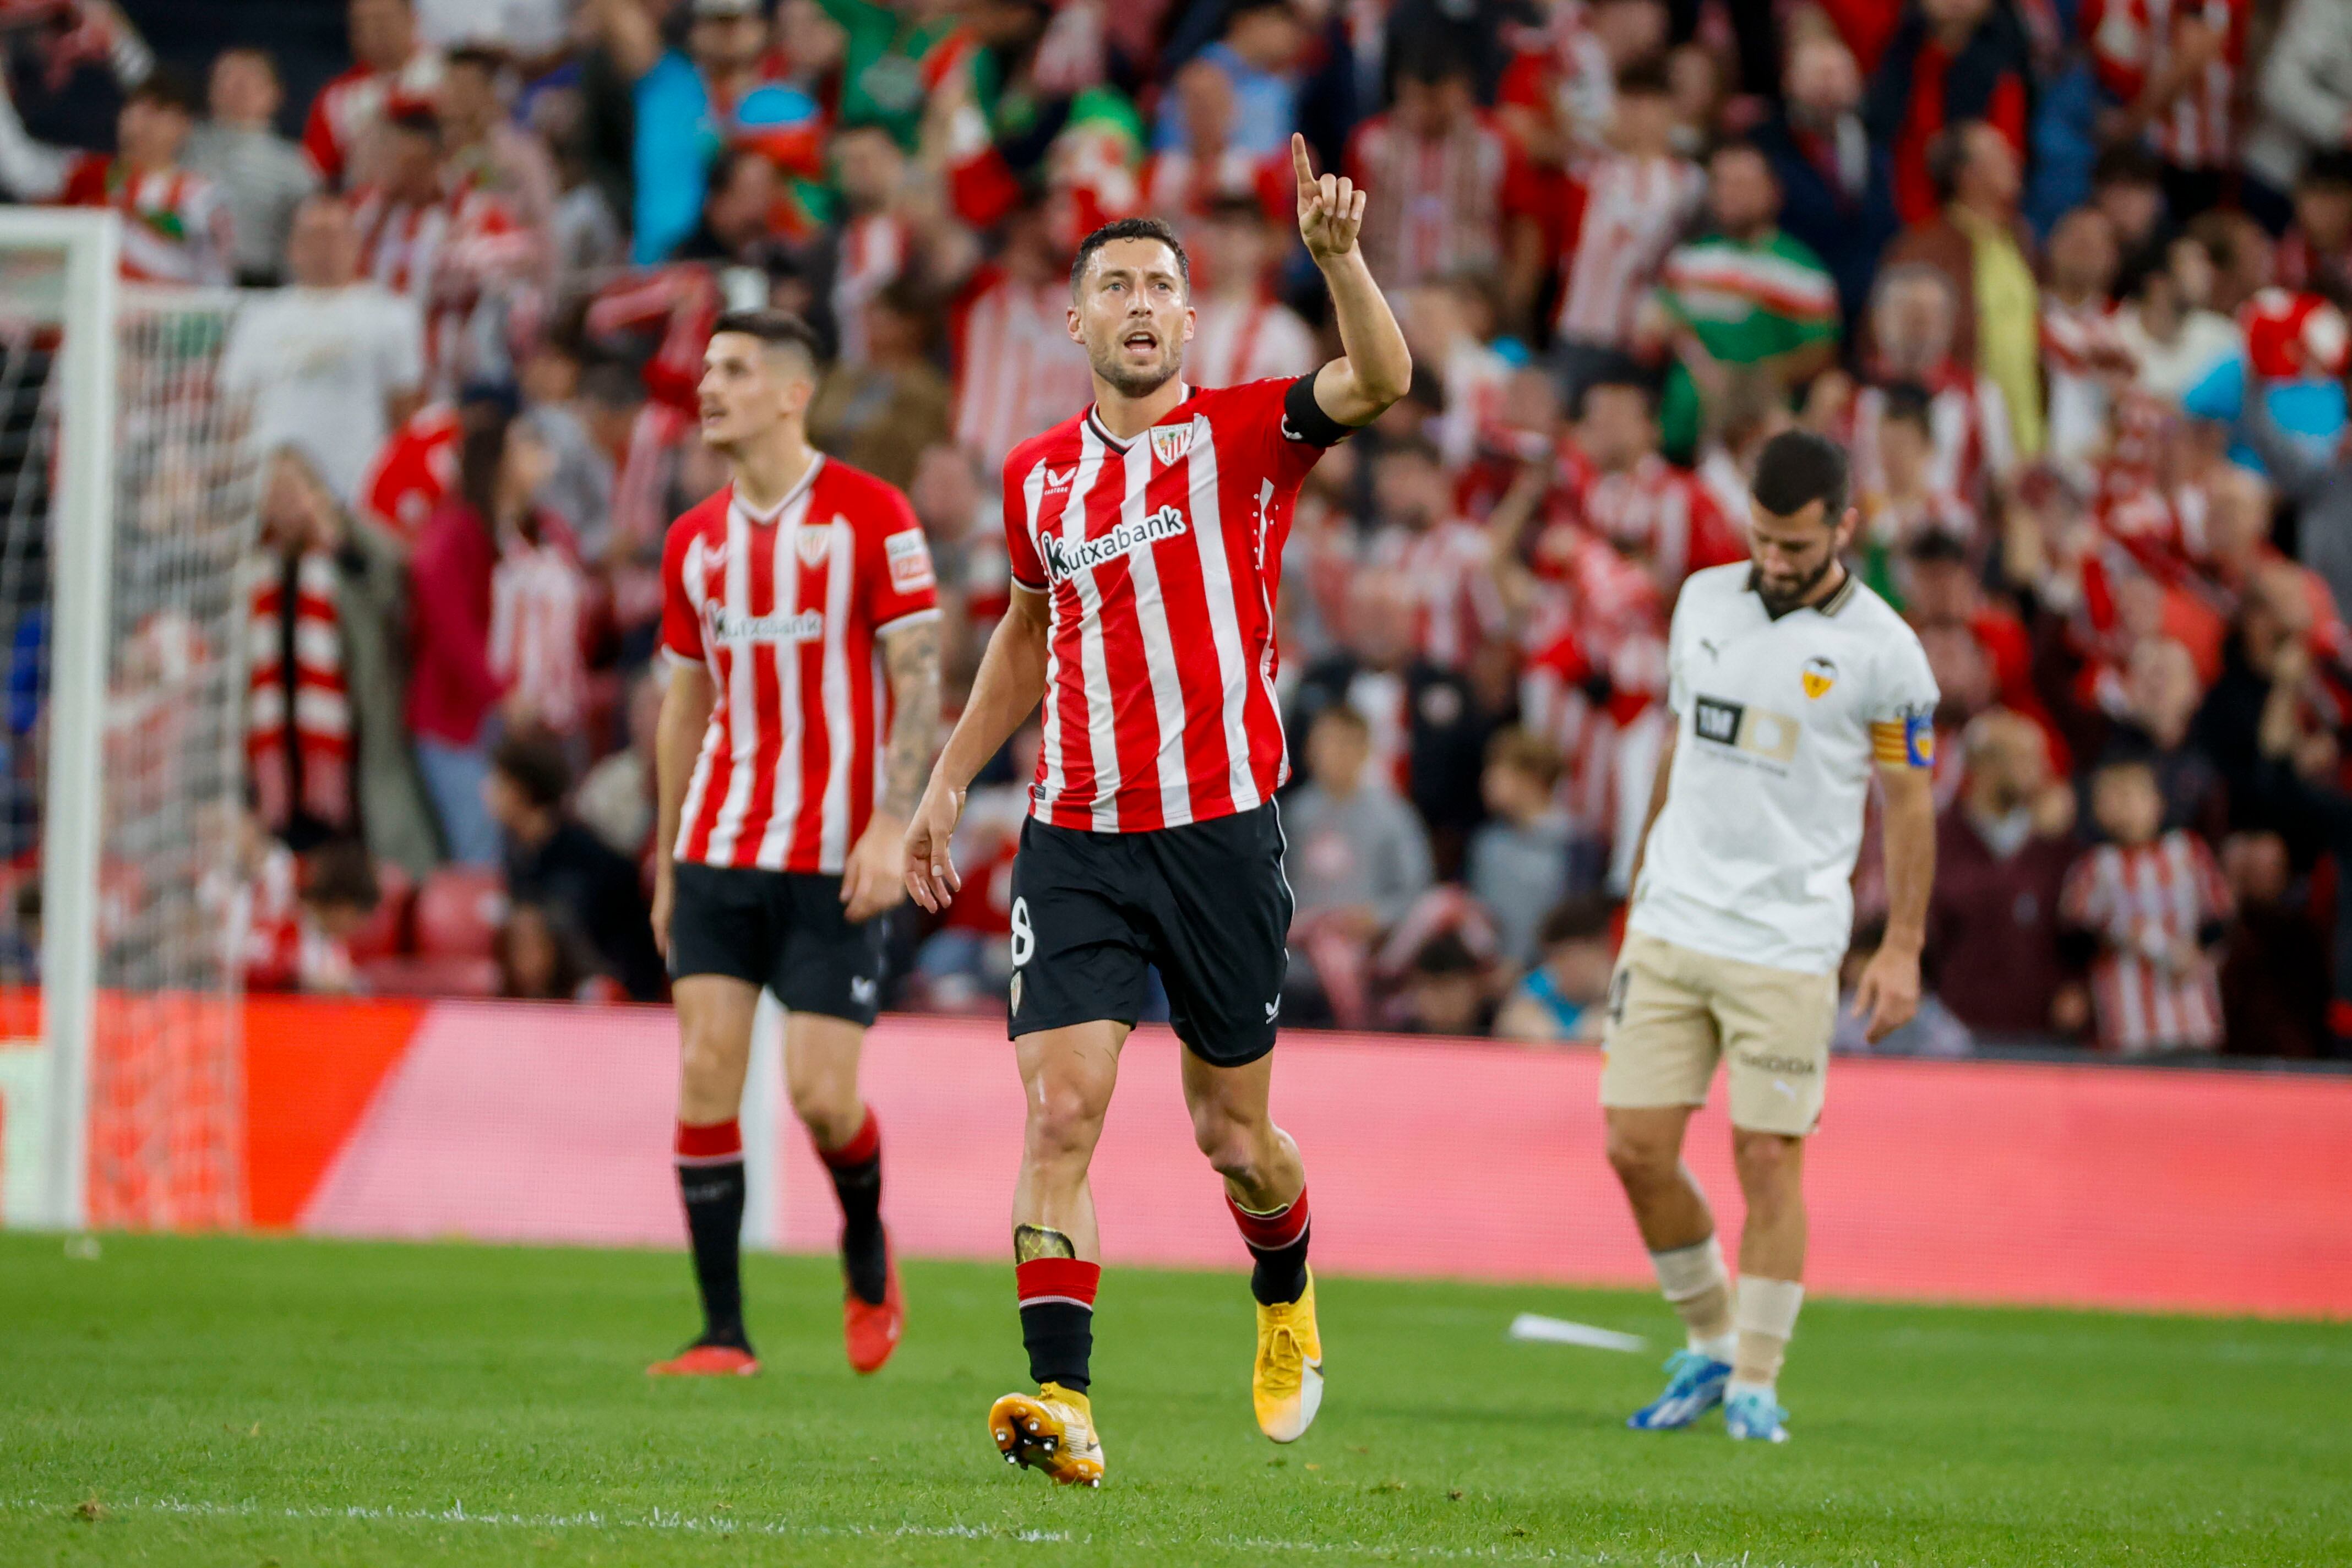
{"points": [[1778, 601], [1133, 382]]}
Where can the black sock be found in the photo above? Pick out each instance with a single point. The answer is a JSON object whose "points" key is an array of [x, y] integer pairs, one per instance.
{"points": [[1060, 1337], [864, 1257], [714, 1218], [1058, 1318], [857, 1171], [1280, 1275]]}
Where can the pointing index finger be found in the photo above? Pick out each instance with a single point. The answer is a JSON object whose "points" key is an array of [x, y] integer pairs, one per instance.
{"points": [[1298, 161]]}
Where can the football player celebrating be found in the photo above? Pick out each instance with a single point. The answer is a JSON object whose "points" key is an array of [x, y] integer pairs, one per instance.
{"points": [[1791, 683], [1146, 540], [787, 770]]}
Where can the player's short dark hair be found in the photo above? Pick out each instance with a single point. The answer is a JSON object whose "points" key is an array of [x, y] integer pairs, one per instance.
{"points": [[533, 761], [1646, 77], [1798, 467], [1617, 373], [2328, 169], [1911, 403], [1130, 228], [341, 871], [167, 87], [1585, 918], [775, 329], [2127, 163]]}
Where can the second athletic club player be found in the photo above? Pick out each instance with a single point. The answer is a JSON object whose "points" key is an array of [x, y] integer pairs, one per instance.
{"points": [[1145, 541], [787, 765]]}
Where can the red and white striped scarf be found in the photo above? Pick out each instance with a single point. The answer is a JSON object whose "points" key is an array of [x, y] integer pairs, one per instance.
{"points": [[309, 699]]}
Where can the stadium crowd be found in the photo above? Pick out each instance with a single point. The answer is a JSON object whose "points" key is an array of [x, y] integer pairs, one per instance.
{"points": [[2067, 277]]}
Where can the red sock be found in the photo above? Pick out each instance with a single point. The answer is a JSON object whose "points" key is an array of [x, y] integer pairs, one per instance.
{"points": [[1057, 1317], [710, 1143]]}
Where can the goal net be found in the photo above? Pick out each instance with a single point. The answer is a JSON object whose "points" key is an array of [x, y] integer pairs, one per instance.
{"points": [[127, 502]]}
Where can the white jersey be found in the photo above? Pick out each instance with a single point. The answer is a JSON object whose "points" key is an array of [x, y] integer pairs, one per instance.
{"points": [[1778, 724]]}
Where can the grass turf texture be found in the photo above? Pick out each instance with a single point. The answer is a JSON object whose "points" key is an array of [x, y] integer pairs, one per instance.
{"points": [[247, 1402]]}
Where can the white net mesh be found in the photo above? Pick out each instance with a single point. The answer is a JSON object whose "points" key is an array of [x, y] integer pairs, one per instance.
{"points": [[163, 1081]]}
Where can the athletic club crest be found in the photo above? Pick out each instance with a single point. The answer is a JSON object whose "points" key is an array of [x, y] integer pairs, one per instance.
{"points": [[1169, 443], [1819, 675], [813, 544]]}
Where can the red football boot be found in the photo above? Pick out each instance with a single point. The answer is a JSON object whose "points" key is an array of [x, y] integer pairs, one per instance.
{"points": [[868, 1331], [707, 1361]]}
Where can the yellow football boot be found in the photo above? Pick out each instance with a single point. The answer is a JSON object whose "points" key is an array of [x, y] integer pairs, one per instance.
{"points": [[1051, 1430], [1286, 1385]]}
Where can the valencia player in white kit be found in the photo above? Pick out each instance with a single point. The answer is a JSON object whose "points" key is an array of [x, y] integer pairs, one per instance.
{"points": [[1791, 686], [1146, 540], [800, 621]]}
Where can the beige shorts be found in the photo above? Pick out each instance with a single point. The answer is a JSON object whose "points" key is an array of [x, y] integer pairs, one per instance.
{"points": [[1673, 1011]]}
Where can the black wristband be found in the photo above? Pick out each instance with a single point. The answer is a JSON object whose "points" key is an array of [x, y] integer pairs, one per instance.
{"points": [[1303, 419]]}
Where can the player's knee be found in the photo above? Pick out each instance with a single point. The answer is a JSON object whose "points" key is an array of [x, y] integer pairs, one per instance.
{"points": [[828, 1107], [1639, 1160], [1064, 1120], [1234, 1147], [1767, 1166]]}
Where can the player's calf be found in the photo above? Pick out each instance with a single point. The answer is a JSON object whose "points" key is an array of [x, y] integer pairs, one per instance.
{"points": [[710, 1182]]}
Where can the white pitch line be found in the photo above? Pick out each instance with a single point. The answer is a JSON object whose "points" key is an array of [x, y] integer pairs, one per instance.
{"points": [[1537, 1329], [714, 1525], [660, 1520]]}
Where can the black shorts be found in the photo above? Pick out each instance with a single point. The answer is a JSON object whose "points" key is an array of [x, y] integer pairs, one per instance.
{"points": [[1206, 904], [783, 930]]}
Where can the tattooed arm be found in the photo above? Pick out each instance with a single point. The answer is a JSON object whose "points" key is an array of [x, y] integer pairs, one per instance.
{"points": [[875, 876]]}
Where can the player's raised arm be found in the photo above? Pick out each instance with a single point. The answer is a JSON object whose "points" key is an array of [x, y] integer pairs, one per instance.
{"points": [[1006, 691], [1375, 367]]}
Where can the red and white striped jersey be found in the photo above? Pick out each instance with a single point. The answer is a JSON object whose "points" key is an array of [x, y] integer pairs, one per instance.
{"points": [[2132, 41], [788, 611], [175, 225], [1256, 339], [1016, 367], [1161, 558], [2081, 343], [873, 253], [1968, 425], [1436, 207], [2145, 903], [350, 107], [1663, 515], [1635, 211], [1450, 570], [539, 600], [442, 256]]}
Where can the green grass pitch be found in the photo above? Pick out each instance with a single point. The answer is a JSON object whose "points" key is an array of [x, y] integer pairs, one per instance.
{"points": [[253, 1401]]}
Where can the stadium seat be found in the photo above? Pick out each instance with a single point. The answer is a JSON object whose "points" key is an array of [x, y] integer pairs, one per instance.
{"points": [[387, 933], [442, 977], [459, 911]]}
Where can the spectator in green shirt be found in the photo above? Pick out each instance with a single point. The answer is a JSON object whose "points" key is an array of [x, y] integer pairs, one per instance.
{"points": [[883, 77], [1747, 296]]}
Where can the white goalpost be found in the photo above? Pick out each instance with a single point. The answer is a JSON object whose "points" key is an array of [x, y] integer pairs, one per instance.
{"points": [[127, 506]]}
